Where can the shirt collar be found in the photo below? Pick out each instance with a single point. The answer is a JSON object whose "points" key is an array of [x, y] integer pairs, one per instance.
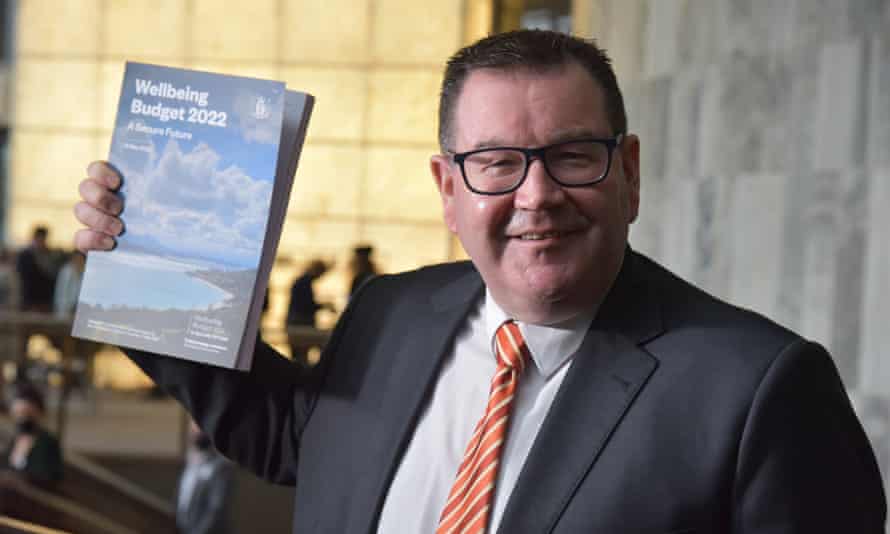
{"points": [[550, 346]]}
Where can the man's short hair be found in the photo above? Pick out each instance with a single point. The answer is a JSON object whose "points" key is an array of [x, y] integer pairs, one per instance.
{"points": [[538, 50]]}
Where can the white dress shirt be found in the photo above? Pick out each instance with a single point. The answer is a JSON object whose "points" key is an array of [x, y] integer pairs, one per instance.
{"points": [[429, 466]]}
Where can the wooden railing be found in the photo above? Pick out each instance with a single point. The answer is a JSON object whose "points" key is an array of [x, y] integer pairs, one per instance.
{"points": [[26, 502], [9, 525], [84, 504], [89, 499], [97, 488]]}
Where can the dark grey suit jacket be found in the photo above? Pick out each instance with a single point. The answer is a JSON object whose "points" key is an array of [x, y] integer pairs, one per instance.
{"points": [[680, 414]]}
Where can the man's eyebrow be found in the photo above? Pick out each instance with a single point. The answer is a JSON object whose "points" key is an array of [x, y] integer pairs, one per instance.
{"points": [[490, 143], [578, 133], [559, 137]]}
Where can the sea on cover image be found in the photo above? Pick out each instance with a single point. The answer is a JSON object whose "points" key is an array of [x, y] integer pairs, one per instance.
{"points": [[197, 153]]}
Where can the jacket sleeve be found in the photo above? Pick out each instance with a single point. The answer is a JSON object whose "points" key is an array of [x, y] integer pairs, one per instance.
{"points": [[254, 418], [805, 464]]}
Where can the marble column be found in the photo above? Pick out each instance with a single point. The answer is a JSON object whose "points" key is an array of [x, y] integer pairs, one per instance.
{"points": [[875, 324], [758, 247]]}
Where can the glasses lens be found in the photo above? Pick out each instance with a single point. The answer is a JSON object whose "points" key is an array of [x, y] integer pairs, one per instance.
{"points": [[578, 162], [492, 171]]}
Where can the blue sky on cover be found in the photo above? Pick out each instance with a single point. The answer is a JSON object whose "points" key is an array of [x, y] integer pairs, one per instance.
{"points": [[205, 198]]}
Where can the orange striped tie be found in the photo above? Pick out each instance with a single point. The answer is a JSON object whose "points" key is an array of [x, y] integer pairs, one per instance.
{"points": [[469, 503]]}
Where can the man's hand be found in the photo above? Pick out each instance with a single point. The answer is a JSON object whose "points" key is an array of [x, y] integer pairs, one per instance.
{"points": [[99, 209]]}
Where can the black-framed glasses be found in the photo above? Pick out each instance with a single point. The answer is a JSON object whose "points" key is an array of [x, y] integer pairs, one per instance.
{"points": [[501, 170]]}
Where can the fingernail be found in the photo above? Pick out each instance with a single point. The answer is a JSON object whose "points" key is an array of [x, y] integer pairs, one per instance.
{"points": [[112, 182], [107, 243], [117, 227]]}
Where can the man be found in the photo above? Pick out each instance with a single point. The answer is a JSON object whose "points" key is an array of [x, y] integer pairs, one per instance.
{"points": [[37, 273], [68, 284], [202, 501], [33, 451], [302, 307], [362, 267], [625, 401]]}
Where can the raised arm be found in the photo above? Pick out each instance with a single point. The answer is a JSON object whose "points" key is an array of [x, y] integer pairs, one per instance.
{"points": [[254, 418]]}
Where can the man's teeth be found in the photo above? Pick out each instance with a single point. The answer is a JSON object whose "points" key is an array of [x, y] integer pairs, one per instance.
{"points": [[536, 237]]}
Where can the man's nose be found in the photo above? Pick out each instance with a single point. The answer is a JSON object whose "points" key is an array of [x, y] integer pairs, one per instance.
{"points": [[539, 190]]}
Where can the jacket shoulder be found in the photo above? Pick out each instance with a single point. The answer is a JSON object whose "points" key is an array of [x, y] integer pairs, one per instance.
{"points": [[694, 317]]}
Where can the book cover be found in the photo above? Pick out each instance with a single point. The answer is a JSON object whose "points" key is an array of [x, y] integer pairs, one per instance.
{"points": [[201, 155]]}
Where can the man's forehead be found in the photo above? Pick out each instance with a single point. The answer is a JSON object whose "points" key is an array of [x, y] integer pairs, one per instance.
{"points": [[488, 112]]}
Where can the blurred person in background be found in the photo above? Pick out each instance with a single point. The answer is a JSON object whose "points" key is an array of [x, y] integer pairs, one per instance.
{"points": [[37, 269], [68, 284], [9, 281], [205, 488], [362, 267], [303, 306], [9, 301], [34, 451]]}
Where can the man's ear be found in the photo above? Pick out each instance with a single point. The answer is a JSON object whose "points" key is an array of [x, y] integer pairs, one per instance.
{"points": [[443, 175], [630, 167]]}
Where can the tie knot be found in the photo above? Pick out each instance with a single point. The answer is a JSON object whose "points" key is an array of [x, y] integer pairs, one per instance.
{"points": [[511, 348]]}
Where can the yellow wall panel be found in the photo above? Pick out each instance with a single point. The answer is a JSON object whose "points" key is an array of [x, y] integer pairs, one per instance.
{"points": [[340, 95], [400, 247], [56, 94], [49, 166], [330, 31], [403, 105], [153, 29], [233, 29], [399, 185], [112, 76], [327, 181], [57, 26], [408, 31], [304, 238], [266, 70], [23, 217]]}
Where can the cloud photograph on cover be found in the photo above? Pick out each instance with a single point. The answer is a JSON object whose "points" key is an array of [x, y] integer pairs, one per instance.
{"points": [[196, 203]]}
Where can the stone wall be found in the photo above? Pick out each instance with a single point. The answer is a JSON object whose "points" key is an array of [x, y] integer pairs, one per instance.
{"points": [[765, 131]]}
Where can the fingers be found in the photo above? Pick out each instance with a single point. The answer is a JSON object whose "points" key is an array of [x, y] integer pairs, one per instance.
{"points": [[97, 220], [103, 173], [96, 194], [99, 210], [86, 240]]}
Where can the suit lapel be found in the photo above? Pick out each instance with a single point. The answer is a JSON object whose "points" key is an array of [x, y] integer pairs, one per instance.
{"points": [[606, 375], [429, 334]]}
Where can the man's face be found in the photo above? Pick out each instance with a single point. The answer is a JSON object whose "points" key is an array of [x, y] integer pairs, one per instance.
{"points": [[22, 409], [546, 252]]}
